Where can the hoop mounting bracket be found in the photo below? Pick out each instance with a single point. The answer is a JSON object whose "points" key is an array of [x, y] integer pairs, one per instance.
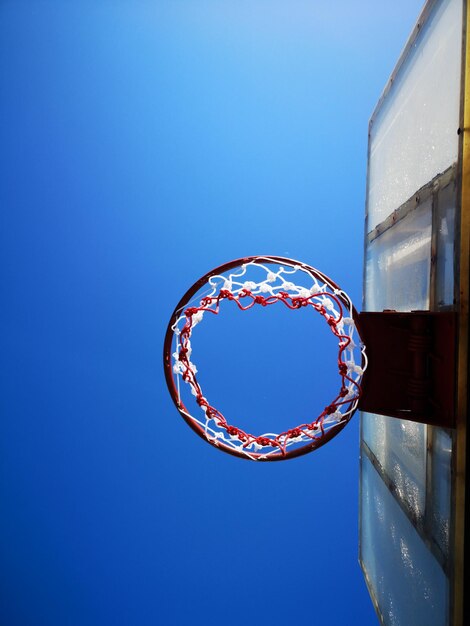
{"points": [[411, 369]]}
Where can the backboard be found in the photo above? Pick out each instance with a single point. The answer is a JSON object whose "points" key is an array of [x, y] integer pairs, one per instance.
{"points": [[412, 480]]}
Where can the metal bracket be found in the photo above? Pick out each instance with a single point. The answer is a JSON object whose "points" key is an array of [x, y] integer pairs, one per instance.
{"points": [[411, 371]]}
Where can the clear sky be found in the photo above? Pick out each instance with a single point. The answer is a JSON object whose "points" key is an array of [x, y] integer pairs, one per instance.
{"points": [[142, 144]]}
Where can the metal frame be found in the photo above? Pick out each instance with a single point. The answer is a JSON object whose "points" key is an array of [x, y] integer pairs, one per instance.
{"points": [[429, 190], [460, 603]]}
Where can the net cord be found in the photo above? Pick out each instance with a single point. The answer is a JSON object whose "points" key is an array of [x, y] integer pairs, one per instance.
{"points": [[324, 297]]}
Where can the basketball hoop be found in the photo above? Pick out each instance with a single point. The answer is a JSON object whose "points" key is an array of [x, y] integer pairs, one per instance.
{"points": [[247, 283]]}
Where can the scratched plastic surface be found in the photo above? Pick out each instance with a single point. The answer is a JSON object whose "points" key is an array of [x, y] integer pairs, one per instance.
{"points": [[400, 448], [409, 584], [441, 488], [414, 136], [445, 247], [398, 264]]}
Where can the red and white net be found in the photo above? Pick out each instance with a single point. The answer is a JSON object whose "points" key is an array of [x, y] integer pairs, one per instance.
{"points": [[264, 282]]}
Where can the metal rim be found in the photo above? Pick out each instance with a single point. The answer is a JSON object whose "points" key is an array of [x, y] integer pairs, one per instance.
{"points": [[167, 363]]}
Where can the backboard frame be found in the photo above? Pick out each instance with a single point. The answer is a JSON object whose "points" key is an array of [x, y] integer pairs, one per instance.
{"points": [[457, 176]]}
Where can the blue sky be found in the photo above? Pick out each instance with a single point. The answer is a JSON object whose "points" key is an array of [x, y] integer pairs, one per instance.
{"points": [[142, 144]]}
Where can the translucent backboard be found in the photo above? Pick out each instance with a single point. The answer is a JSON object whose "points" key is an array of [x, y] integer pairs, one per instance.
{"points": [[412, 482]]}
